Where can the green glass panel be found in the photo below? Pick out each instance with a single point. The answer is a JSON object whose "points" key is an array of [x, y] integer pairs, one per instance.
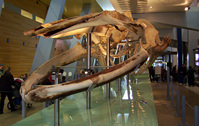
{"points": [[132, 106]]}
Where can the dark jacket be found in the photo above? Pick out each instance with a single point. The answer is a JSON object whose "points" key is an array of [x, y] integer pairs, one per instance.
{"points": [[191, 73], [183, 71], [6, 80]]}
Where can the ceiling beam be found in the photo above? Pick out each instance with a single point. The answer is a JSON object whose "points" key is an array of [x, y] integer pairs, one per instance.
{"points": [[187, 20]]}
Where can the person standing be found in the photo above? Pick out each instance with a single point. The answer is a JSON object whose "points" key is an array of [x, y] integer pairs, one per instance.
{"points": [[190, 74], [6, 80], [63, 79], [183, 72], [151, 73], [174, 73], [163, 74], [25, 76]]}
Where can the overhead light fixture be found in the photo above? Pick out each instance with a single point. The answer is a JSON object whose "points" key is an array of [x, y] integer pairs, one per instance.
{"points": [[187, 8], [151, 7]]}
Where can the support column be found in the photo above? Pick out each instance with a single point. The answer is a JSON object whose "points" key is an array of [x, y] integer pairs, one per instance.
{"points": [[196, 115], [88, 93], [120, 79], [57, 105], [1, 4], [45, 47], [179, 51], [23, 109], [108, 67], [85, 10], [168, 83]]}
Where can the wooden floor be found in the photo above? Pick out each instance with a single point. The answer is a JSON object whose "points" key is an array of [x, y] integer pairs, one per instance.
{"points": [[167, 115], [8, 118]]}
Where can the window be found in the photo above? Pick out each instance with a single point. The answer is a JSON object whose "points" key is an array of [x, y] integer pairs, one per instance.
{"points": [[38, 19], [26, 14]]}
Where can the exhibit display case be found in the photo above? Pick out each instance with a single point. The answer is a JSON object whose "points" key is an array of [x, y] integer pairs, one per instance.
{"points": [[133, 105]]}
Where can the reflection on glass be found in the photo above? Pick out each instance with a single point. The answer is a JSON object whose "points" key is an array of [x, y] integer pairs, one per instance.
{"points": [[126, 117], [136, 81], [121, 110], [125, 96]]}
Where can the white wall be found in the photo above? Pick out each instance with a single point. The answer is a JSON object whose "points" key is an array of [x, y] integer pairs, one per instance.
{"points": [[192, 44]]}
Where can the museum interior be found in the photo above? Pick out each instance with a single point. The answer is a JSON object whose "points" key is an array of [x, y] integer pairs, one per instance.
{"points": [[99, 62]]}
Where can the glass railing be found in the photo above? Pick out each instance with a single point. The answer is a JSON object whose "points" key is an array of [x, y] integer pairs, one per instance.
{"points": [[130, 103]]}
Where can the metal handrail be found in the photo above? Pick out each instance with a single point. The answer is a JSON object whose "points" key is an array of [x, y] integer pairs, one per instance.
{"points": [[83, 66], [189, 105]]}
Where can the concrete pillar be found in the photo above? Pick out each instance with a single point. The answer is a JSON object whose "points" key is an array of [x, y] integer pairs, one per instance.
{"points": [[107, 5], [179, 47], [1, 4], [45, 47]]}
